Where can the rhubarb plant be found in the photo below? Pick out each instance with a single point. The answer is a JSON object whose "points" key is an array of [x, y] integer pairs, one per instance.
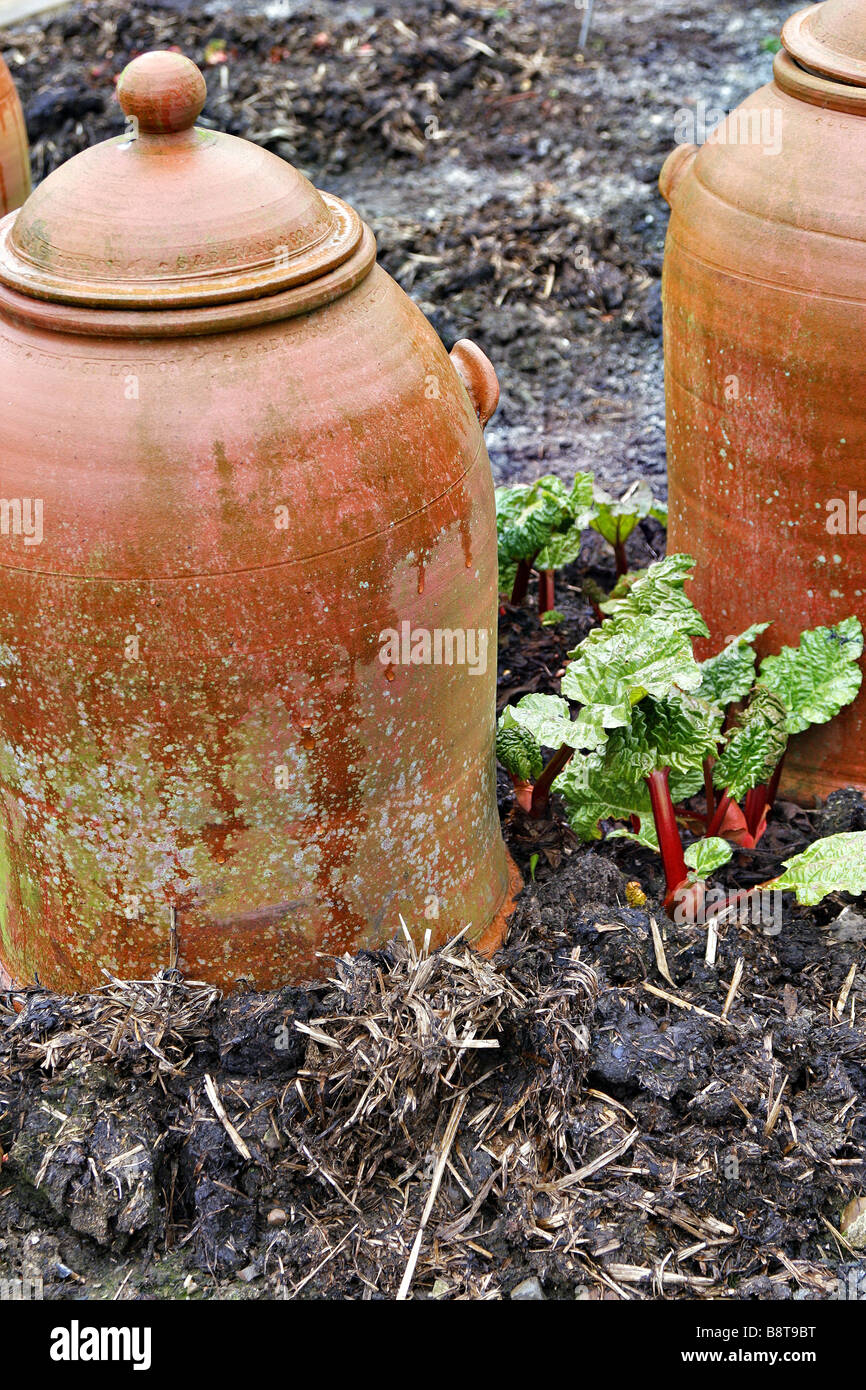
{"points": [[649, 731], [539, 525], [812, 682], [536, 722], [754, 749], [617, 517]]}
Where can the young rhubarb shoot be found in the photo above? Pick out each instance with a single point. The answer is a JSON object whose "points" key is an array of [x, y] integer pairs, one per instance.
{"points": [[617, 517], [702, 858], [521, 757], [563, 544], [754, 748], [540, 525], [706, 855], [526, 514], [812, 681], [536, 722]]}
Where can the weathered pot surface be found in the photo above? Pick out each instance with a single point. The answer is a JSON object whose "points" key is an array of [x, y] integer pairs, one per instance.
{"points": [[764, 294], [248, 637], [14, 151]]}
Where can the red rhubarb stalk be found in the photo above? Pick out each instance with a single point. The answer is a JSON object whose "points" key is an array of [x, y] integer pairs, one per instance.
{"points": [[676, 873], [521, 581], [773, 788], [754, 806], [546, 592], [522, 792], [761, 800], [708, 788], [541, 790], [719, 815]]}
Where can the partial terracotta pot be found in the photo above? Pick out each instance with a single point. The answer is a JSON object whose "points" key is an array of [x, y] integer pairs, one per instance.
{"points": [[14, 152], [764, 294], [248, 636]]}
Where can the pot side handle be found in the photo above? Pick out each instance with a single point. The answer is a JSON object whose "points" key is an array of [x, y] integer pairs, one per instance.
{"points": [[674, 170], [476, 372]]}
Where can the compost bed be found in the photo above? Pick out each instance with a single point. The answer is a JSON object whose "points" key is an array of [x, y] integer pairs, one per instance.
{"points": [[589, 1123]]}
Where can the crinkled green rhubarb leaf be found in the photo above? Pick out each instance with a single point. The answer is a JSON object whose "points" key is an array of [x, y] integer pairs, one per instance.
{"points": [[645, 836], [518, 752], [598, 788], [815, 679], [623, 661], [590, 732], [561, 548], [705, 856], [682, 730], [659, 593], [617, 517], [582, 500], [730, 674], [507, 575], [677, 732], [836, 864], [547, 717], [754, 746], [563, 545], [527, 513]]}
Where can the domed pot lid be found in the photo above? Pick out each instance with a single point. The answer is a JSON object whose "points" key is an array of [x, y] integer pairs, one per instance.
{"points": [[170, 216], [830, 39]]}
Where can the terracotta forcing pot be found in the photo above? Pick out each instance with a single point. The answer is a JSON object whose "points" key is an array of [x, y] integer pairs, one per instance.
{"points": [[14, 152], [764, 292], [248, 629]]}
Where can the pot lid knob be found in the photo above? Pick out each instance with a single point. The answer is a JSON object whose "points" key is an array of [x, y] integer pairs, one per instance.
{"points": [[163, 91]]}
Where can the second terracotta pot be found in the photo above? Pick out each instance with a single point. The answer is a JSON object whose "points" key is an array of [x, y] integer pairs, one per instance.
{"points": [[764, 293], [14, 154]]}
